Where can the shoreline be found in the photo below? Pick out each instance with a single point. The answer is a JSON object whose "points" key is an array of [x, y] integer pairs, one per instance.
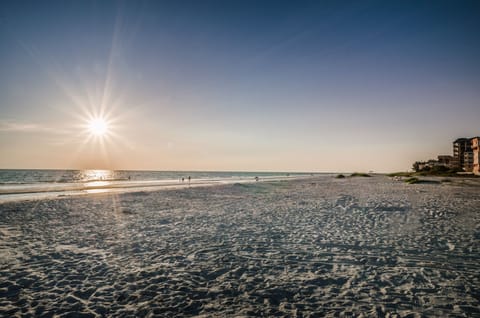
{"points": [[105, 187]]}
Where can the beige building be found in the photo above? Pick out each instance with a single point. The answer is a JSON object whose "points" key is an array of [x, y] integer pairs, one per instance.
{"points": [[468, 161], [476, 154]]}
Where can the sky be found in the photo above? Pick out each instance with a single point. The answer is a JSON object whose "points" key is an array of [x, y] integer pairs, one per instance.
{"points": [[317, 86]]}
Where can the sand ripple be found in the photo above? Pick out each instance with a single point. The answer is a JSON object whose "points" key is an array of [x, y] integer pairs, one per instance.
{"points": [[322, 247]]}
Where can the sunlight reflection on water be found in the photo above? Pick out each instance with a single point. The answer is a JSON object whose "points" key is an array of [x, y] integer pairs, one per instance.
{"points": [[95, 184], [97, 190], [96, 175]]}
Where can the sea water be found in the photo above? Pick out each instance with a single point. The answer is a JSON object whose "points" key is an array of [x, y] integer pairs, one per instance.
{"points": [[24, 184]]}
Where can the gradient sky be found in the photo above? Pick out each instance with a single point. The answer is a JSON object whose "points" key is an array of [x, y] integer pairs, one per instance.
{"points": [[237, 85]]}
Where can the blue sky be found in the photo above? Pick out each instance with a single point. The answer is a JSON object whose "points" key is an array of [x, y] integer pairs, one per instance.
{"points": [[237, 85]]}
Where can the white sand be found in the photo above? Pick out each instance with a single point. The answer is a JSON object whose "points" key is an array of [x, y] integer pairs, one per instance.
{"points": [[306, 248]]}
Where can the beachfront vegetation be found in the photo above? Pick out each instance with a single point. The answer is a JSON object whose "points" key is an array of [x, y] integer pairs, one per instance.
{"points": [[340, 176], [437, 171]]}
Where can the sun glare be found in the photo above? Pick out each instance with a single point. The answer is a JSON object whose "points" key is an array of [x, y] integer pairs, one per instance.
{"points": [[98, 127]]}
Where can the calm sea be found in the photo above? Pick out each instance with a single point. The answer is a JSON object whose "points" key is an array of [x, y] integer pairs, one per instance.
{"points": [[24, 184]]}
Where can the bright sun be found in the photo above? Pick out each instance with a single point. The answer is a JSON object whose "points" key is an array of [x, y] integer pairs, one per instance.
{"points": [[98, 127]]}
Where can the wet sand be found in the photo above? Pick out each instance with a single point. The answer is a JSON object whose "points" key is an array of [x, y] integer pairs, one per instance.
{"points": [[298, 248]]}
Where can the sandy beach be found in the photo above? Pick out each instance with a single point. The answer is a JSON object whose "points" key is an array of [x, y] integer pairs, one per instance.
{"points": [[318, 247]]}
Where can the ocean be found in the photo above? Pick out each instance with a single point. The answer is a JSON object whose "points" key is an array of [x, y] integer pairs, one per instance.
{"points": [[26, 184]]}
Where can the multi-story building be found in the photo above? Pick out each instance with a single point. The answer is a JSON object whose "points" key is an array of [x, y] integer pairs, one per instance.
{"points": [[468, 161], [445, 160], [466, 157], [476, 154], [462, 146]]}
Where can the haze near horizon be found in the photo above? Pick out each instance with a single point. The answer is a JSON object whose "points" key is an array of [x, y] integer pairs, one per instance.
{"points": [[236, 85]]}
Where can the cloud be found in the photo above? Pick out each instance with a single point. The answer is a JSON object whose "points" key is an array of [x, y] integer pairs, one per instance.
{"points": [[27, 127]]}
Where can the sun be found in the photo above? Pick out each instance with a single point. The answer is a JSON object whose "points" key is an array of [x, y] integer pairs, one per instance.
{"points": [[98, 127]]}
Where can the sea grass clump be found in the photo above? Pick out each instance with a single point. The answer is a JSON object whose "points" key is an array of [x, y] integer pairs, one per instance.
{"points": [[400, 174], [360, 174], [412, 180]]}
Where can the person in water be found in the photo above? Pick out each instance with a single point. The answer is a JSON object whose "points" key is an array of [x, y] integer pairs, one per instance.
{"points": [[189, 178]]}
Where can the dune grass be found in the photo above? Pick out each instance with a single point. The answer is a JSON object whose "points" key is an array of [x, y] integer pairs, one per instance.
{"points": [[432, 173], [401, 174], [415, 180], [412, 180], [360, 174]]}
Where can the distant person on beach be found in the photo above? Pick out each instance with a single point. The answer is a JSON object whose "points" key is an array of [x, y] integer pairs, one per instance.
{"points": [[183, 179], [189, 178]]}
